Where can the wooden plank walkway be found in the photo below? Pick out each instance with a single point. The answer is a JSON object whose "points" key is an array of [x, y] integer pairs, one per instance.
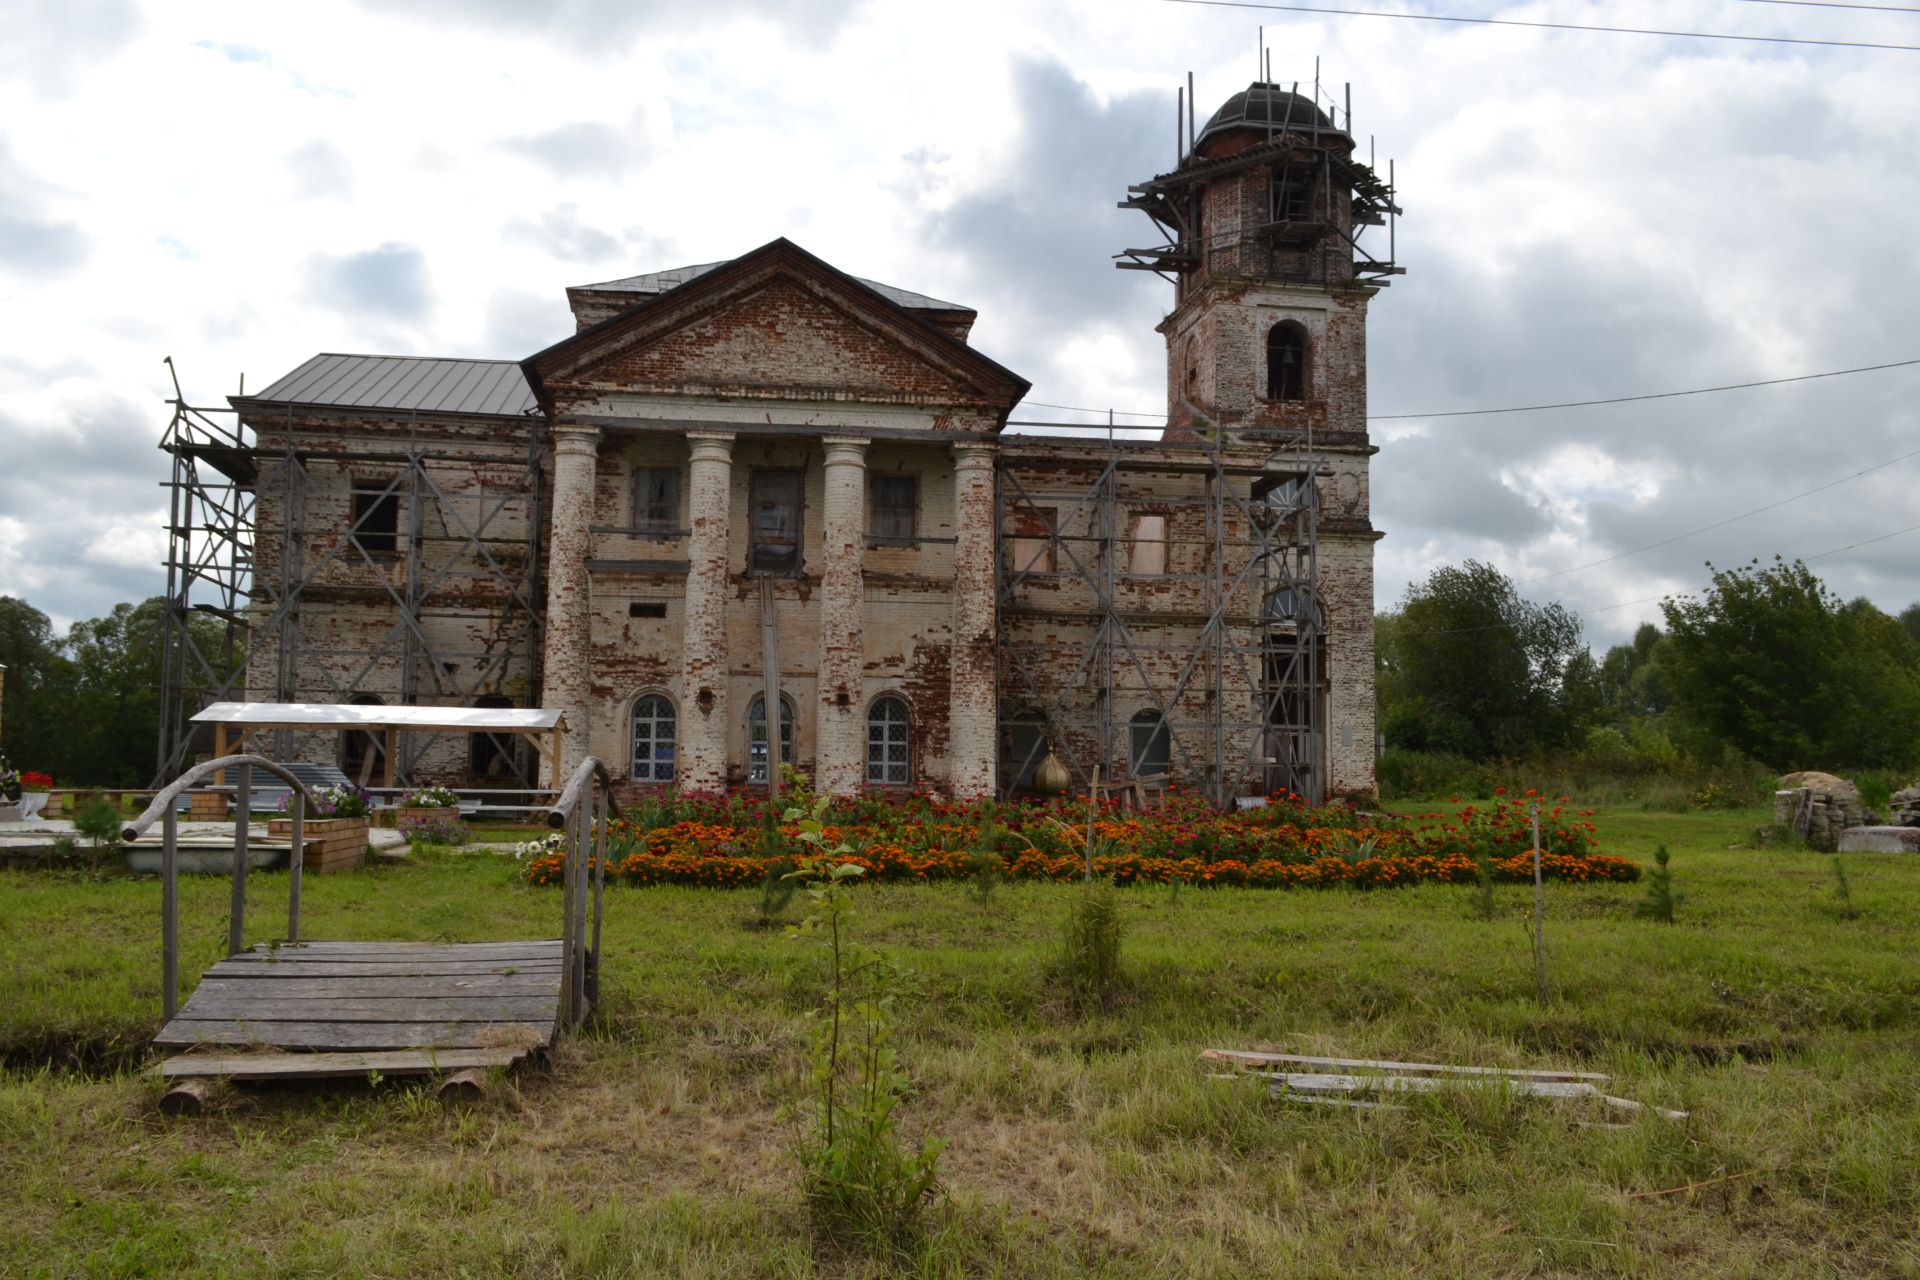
{"points": [[347, 1008]]}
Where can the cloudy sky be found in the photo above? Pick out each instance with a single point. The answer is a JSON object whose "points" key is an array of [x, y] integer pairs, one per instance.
{"points": [[1588, 216]]}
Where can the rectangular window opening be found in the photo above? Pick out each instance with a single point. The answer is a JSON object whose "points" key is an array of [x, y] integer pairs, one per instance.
{"points": [[376, 518], [1032, 547], [647, 609], [656, 499], [895, 499], [775, 501], [1147, 541]]}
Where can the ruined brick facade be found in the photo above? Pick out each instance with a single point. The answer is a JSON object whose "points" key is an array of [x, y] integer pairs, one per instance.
{"points": [[769, 456]]}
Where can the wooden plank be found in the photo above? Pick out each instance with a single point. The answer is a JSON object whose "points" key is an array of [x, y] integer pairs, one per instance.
{"points": [[1398, 1068], [187, 1032], [252, 968], [297, 986], [412, 950], [266, 1008], [323, 1066]]}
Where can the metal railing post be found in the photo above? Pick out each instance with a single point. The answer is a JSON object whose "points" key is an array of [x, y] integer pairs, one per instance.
{"points": [[242, 813], [170, 914], [296, 863]]}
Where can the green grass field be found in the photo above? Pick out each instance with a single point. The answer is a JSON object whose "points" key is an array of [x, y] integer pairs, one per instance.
{"points": [[655, 1143]]}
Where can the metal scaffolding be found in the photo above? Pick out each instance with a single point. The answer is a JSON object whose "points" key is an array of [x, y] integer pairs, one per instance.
{"points": [[1214, 644], [376, 513]]}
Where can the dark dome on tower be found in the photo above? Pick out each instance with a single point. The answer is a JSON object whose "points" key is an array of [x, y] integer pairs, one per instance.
{"points": [[1263, 106]]}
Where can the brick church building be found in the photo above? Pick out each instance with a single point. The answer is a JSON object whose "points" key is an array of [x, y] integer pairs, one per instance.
{"points": [[761, 503]]}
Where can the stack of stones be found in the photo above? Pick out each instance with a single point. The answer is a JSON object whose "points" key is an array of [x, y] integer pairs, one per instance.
{"points": [[1906, 807], [1818, 807]]}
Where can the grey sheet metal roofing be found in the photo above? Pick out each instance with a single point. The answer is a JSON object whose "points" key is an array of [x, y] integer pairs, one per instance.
{"points": [[661, 281], [423, 383]]}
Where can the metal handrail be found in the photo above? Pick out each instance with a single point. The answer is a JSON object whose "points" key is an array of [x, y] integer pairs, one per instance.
{"points": [[162, 808], [585, 859]]}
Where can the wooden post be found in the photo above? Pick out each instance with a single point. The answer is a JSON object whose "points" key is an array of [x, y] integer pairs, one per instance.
{"points": [[1093, 793], [569, 935], [585, 810], [392, 747], [599, 889], [1539, 913], [219, 752], [237, 914], [296, 861], [170, 913]]}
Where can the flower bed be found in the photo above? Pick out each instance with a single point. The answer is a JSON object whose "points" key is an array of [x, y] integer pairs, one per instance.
{"points": [[727, 842]]}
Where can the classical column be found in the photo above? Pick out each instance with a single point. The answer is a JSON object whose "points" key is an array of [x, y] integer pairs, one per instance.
{"points": [[973, 699], [567, 655], [703, 672], [840, 725]]}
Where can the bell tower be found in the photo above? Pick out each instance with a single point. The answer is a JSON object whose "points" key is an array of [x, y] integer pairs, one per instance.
{"points": [[1267, 352]]}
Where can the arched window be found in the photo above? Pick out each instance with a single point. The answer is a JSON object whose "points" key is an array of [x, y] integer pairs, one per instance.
{"points": [[757, 737], [491, 755], [1287, 362], [360, 751], [653, 739], [1151, 748], [888, 756]]}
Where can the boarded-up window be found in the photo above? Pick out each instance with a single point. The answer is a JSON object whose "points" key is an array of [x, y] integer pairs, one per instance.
{"points": [[656, 499], [894, 500], [774, 497], [1151, 748], [1032, 547], [1147, 536]]}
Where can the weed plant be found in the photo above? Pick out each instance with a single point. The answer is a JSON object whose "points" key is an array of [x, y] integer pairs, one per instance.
{"points": [[862, 1186], [1090, 946], [1843, 904]]}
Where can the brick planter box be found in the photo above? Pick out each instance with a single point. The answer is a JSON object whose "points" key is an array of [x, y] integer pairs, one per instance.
{"points": [[423, 813], [208, 806], [333, 844]]}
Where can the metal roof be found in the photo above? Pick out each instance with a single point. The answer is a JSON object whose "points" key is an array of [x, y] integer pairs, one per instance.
{"points": [[354, 715], [673, 278], [405, 382]]}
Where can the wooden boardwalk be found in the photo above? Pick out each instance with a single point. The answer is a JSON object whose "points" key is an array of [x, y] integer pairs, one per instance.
{"points": [[322, 1009]]}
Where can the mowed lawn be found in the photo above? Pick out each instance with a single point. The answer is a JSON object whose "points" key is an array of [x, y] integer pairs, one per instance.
{"points": [[1077, 1145]]}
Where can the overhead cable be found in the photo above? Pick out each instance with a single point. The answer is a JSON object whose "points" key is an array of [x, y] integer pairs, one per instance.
{"points": [[1548, 26]]}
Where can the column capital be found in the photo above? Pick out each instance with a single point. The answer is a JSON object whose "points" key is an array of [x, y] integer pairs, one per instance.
{"points": [[573, 438], [711, 446], [845, 449], [973, 453]]}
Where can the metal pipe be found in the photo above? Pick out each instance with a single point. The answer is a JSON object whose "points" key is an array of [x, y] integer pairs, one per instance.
{"points": [[242, 828], [296, 865], [170, 914]]}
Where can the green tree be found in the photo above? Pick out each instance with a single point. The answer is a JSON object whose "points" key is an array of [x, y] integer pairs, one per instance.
{"points": [[1770, 663], [31, 655], [1470, 667]]}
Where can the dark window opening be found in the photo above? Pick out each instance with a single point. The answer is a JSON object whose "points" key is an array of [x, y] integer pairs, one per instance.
{"points": [[757, 771], [888, 743], [774, 497], [656, 499], [1286, 362], [1291, 192], [361, 751], [492, 756], [1026, 746], [376, 520], [1151, 751], [647, 609], [895, 498], [653, 740]]}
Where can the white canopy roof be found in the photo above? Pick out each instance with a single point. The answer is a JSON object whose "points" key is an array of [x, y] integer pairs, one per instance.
{"points": [[353, 715]]}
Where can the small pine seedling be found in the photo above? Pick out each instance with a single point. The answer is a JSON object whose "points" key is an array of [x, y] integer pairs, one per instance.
{"points": [[1843, 892], [1661, 899]]}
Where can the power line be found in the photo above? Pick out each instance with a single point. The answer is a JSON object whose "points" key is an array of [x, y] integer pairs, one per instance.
{"points": [[1535, 408], [1835, 4], [1549, 26], [1680, 537]]}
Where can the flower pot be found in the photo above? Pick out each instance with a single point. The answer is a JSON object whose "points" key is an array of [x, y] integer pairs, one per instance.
{"points": [[333, 844], [403, 814], [31, 803]]}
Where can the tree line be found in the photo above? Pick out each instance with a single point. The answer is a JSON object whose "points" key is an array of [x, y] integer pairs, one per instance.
{"points": [[1767, 665], [85, 707]]}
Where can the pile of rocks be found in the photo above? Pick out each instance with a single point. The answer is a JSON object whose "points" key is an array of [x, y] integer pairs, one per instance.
{"points": [[1905, 807], [1817, 807]]}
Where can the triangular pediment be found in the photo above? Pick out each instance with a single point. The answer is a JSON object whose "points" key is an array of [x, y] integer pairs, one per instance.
{"points": [[776, 323]]}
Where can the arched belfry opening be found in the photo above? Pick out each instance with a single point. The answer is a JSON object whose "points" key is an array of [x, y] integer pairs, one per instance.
{"points": [[1287, 348]]}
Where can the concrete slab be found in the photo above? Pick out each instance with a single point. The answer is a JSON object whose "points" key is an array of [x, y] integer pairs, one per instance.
{"points": [[1880, 840]]}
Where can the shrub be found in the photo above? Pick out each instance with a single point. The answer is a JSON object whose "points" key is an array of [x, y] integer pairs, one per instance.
{"points": [[442, 829], [1661, 899], [1090, 954]]}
